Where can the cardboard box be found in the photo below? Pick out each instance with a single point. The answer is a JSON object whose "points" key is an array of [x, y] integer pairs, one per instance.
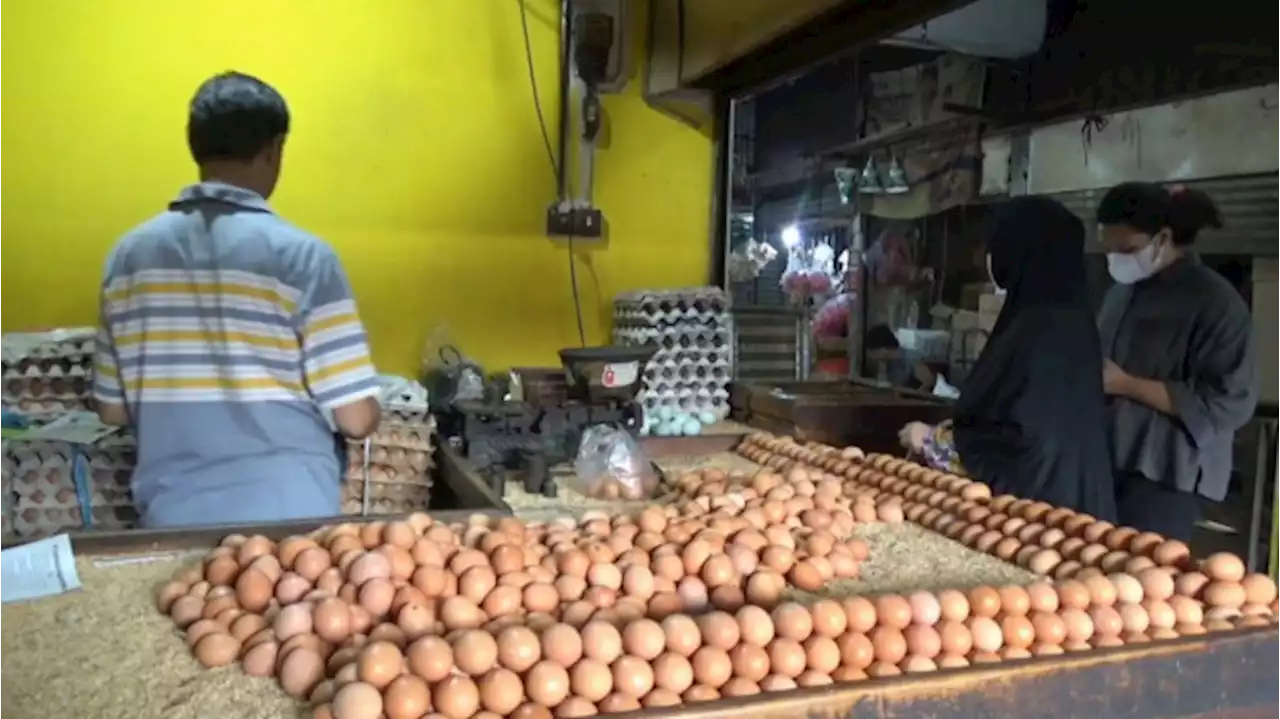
{"points": [[989, 306]]}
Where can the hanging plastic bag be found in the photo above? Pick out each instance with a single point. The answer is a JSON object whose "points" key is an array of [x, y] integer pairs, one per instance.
{"points": [[448, 375], [832, 319], [610, 466]]}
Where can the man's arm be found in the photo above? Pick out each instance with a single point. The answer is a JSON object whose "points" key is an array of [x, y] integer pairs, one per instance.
{"points": [[108, 390], [339, 370]]}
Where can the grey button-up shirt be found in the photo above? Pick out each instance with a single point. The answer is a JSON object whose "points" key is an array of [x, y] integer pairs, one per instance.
{"points": [[1189, 328]]}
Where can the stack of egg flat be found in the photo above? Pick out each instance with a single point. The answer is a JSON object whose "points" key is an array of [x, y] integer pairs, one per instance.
{"points": [[686, 384], [397, 473], [8, 469], [49, 373], [41, 486]]}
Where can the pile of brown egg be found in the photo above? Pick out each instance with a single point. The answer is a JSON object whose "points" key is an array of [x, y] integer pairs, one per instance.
{"points": [[1133, 586], [498, 617], [684, 602]]}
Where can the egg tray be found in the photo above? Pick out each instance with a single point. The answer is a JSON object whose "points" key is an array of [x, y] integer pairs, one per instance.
{"points": [[386, 474], [1102, 560], [34, 521], [384, 498], [405, 435]]}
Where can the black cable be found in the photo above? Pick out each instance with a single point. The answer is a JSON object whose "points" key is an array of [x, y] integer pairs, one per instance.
{"points": [[533, 85], [557, 170]]}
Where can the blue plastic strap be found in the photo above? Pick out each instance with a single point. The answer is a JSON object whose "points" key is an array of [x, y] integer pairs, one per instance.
{"points": [[80, 477]]}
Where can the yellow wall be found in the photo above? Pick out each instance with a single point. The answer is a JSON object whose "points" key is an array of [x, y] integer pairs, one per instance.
{"points": [[415, 152]]}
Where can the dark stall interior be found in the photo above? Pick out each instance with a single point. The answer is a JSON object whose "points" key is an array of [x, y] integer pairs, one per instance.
{"points": [[1095, 58]]}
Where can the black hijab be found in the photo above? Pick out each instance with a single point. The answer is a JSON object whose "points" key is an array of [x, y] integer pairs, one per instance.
{"points": [[1031, 416]]}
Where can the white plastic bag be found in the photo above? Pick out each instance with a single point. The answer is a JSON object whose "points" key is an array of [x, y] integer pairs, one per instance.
{"points": [[610, 465]]}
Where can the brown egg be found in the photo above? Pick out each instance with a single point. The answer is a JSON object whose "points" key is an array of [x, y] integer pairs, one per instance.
{"points": [[1014, 600], [1101, 591], [1018, 631], [379, 664], [984, 602], [923, 641], [547, 683], [1171, 553], [786, 657], [501, 691], [712, 666], [254, 590], [889, 644], [1225, 594], [591, 680], [300, 671], [1190, 584], [456, 697], [987, 635], [217, 649], [1050, 629], [1128, 589], [953, 605], [893, 611], [861, 614], [260, 659], [755, 625], [561, 644], [358, 701], [1259, 589], [1223, 567], [602, 642], [475, 652], [790, 620], [682, 634]]}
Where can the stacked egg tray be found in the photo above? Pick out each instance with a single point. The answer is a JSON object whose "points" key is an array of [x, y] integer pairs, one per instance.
{"points": [[43, 496], [50, 377], [7, 469], [390, 473], [686, 383], [1102, 585]]}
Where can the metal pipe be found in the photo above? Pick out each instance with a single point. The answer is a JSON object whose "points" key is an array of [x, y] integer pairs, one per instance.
{"points": [[566, 63]]}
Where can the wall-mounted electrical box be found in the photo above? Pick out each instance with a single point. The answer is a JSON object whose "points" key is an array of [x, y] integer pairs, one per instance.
{"points": [[614, 17]]}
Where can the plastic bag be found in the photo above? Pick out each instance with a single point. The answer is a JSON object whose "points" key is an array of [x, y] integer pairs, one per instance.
{"points": [[832, 319], [610, 466], [448, 375]]}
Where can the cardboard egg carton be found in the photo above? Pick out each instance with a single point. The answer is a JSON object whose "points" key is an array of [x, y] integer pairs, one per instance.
{"points": [[37, 521], [385, 498], [41, 487], [46, 373], [387, 474], [7, 469]]}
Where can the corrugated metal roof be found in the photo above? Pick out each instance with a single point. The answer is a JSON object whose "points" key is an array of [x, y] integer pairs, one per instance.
{"points": [[1250, 207]]}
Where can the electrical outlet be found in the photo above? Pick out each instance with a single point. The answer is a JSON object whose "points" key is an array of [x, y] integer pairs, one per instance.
{"points": [[585, 223], [620, 51]]}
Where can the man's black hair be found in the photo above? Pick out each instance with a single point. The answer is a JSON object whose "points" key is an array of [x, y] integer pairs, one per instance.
{"points": [[234, 116], [1149, 208]]}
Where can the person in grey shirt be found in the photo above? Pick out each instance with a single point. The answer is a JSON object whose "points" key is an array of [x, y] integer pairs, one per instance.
{"points": [[1181, 369]]}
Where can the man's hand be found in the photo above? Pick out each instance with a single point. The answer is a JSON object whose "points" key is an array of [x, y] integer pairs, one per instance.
{"points": [[912, 436], [1115, 381]]}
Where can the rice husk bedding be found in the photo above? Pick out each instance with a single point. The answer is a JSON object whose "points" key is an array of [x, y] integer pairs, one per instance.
{"points": [[105, 652]]}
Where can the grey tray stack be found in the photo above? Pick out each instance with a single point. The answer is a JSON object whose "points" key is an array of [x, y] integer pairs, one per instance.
{"points": [[46, 492], [686, 384], [48, 374]]}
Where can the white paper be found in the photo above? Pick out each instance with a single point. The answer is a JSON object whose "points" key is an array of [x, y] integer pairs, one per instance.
{"points": [[943, 388], [43, 568]]}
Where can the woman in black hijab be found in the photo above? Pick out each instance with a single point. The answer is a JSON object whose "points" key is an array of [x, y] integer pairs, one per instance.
{"points": [[1031, 417]]}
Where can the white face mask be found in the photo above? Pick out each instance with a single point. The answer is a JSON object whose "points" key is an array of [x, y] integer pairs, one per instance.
{"points": [[1134, 267], [999, 290]]}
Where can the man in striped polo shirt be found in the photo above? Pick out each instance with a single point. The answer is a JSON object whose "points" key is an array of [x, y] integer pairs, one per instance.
{"points": [[229, 337]]}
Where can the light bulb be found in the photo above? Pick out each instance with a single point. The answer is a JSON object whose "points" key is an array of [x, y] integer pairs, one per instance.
{"points": [[790, 236]]}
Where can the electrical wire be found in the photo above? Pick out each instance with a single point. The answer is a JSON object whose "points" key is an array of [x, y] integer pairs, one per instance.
{"points": [[533, 85], [555, 166]]}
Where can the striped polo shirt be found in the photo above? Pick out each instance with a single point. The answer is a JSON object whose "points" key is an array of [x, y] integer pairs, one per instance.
{"points": [[228, 334]]}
